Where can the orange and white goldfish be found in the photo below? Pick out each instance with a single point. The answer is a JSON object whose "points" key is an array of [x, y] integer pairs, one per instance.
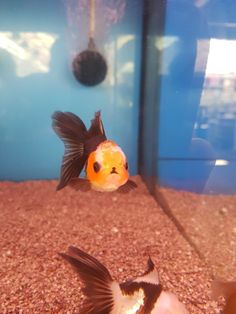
{"points": [[227, 289], [105, 163], [143, 294]]}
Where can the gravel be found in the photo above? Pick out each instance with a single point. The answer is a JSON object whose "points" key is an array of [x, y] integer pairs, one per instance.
{"points": [[210, 222], [121, 230]]}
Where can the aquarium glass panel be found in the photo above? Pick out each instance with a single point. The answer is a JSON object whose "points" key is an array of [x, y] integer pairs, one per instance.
{"points": [[196, 128], [197, 109], [38, 42]]}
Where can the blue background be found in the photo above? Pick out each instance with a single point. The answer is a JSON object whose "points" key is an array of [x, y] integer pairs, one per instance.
{"points": [[29, 149]]}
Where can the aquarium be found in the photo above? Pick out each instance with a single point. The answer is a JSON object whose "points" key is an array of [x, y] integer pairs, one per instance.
{"points": [[117, 148]]}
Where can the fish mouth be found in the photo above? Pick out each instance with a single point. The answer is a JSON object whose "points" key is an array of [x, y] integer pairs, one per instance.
{"points": [[113, 171]]}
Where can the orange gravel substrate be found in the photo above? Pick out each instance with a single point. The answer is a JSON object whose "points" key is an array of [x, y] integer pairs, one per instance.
{"points": [[120, 230]]}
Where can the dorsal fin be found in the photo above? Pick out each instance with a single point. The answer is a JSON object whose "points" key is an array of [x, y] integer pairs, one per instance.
{"points": [[150, 275], [96, 127]]}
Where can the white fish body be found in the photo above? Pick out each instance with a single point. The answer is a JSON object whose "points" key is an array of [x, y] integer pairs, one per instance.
{"points": [[168, 303]]}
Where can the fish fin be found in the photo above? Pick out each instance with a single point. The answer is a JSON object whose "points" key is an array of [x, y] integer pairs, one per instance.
{"points": [[99, 287], [150, 266], [69, 170], [96, 127], [67, 123], [96, 134], [223, 288], [88, 308], [127, 187], [150, 275], [72, 131], [80, 184]]}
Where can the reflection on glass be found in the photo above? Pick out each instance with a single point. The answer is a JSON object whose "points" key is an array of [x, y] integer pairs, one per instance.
{"points": [[120, 68], [217, 115], [31, 52], [216, 121]]}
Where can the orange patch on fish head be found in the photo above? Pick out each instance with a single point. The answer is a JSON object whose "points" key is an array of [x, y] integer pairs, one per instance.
{"points": [[107, 168]]}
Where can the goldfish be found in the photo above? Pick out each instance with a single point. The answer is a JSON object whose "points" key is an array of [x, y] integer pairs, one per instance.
{"points": [[143, 294], [227, 289], [105, 163]]}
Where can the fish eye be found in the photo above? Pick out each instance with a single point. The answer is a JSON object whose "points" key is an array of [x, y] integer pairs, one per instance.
{"points": [[126, 166], [96, 166]]}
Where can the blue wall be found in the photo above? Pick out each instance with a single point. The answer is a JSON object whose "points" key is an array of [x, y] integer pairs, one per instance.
{"points": [[38, 41]]}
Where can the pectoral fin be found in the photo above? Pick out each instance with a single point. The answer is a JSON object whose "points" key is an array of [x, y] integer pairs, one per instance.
{"points": [[127, 187], [80, 184]]}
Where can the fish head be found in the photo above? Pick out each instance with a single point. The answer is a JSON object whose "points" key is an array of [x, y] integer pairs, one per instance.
{"points": [[107, 167]]}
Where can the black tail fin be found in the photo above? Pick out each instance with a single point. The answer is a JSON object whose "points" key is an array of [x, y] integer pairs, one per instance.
{"points": [[73, 133], [96, 279]]}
